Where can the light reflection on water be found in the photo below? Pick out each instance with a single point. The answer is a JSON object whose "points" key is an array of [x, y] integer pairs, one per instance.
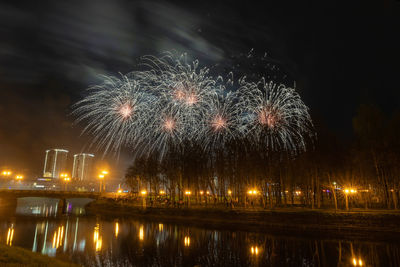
{"points": [[94, 242]]}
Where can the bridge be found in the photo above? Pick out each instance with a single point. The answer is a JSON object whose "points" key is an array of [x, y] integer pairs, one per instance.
{"points": [[8, 197]]}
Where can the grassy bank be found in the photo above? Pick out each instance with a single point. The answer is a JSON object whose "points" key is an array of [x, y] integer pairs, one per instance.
{"points": [[16, 256], [292, 221]]}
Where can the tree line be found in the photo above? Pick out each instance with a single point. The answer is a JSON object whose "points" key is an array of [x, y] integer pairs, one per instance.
{"points": [[368, 164]]}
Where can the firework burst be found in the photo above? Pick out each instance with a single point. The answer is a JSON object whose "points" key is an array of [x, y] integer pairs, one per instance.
{"points": [[115, 112], [221, 122], [274, 115], [172, 102]]}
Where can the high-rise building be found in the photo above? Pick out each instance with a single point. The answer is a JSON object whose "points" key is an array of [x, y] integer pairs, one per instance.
{"points": [[55, 162], [82, 168]]}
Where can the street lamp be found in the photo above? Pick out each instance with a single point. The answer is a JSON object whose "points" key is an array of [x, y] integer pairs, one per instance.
{"points": [[143, 193], [188, 193], [252, 192], [254, 250], [101, 178], [186, 241], [66, 180], [19, 177], [348, 191], [358, 262], [6, 173]]}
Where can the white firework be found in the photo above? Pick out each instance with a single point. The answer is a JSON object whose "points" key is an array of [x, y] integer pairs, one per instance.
{"points": [[274, 115], [115, 111], [173, 103], [185, 92], [221, 123]]}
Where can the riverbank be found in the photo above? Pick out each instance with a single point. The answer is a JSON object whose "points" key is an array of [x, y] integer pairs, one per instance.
{"points": [[365, 225], [16, 256]]}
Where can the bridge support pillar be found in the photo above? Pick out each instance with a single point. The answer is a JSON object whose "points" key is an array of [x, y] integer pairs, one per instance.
{"points": [[62, 206]]}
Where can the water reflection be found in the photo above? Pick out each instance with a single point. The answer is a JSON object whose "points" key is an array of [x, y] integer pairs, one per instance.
{"points": [[96, 242], [141, 233], [58, 237], [116, 229], [141, 243], [10, 235]]}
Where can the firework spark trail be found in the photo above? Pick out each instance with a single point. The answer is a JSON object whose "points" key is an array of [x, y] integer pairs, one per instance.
{"points": [[173, 102]]}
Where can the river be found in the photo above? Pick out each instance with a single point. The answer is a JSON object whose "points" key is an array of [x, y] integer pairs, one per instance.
{"points": [[36, 225]]}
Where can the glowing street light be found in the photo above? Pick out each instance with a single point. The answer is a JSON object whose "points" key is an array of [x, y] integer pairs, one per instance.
{"points": [[66, 181], [19, 177], [143, 193], [119, 191], [229, 192], [188, 193], [252, 192], [162, 192], [186, 241], [358, 262], [7, 173], [65, 177], [101, 178], [254, 250], [348, 191]]}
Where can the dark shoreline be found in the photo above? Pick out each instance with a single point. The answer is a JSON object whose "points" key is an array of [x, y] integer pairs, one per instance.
{"points": [[373, 226]]}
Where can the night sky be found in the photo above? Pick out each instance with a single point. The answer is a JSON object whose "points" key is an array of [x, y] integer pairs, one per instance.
{"points": [[339, 55]]}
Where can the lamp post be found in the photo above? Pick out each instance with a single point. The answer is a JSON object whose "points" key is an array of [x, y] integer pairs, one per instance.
{"points": [[6, 173], [143, 193], [230, 198], [101, 178], [348, 191], [162, 194], [188, 193], [252, 193], [66, 179]]}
